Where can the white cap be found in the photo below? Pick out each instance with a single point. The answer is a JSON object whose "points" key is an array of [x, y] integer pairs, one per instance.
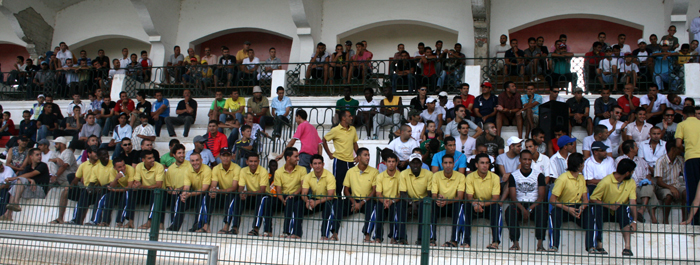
{"points": [[430, 100], [415, 156], [442, 94], [513, 140], [641, 40], [61, 139]]}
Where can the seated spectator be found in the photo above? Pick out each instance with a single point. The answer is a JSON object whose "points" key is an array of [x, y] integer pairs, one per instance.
{"points": [[147, 146], [433, 113], [74, 123], [629, 71], [592, 60], [428, 63], [600, 134], [225, 70], [578, 111], [403, 146], [169, 158], [417, 127], [598, 165], [200, 148], [403, 74], [191, 74], [646, 198], [388, 115], [673, 42], [29, 185], [27, 127], [624, 48], [670, 181], [654, 104], [174, 67], [418, 103], [7, 127], [514, 60], [47, 124], [450, 115], [248, 71], [134, 69], [453, 128], [128, 154], [684, 55], [272, 63], [121, 131], [360, 65], [452, 68], [641, 57], [259, 106], [509, 108], [16, 155], [639, 129], [668, 132], [186, 114], [102, 59], [629, 103], [237, 129], [607, 70], [365, 115], [338, 64], [142, 107], [146, 65], [467, 100], [234, 106], [243, 148], [215, 140], [42, 78], [318, 67], [531, 108], [345, 103], [160, 111], [561, 66], [499, 52], [553, 96], [493, 142], [533, 64], [460, 163], [282, 110], [664, 61], [143, 131], [603, 105], [485, 105]]}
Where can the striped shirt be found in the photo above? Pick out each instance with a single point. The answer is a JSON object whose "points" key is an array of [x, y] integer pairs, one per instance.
{"points": [[557, 165], [147, 130], [670, 173]]}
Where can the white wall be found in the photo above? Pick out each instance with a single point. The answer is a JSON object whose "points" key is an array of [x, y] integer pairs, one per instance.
{"points": [[382, 40], [88, 21], [199, 18], [340, 19], [7, 33], [506, 14], [113, 48]]}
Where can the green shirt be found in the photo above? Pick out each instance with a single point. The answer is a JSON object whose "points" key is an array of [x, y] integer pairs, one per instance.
{"points": [[256, 107], [167, 160], [220, 103], [342, 104]]}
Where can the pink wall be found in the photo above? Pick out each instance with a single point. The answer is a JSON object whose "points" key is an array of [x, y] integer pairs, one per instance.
{"points": [[9, 54], [580, 32], [260, 42]]}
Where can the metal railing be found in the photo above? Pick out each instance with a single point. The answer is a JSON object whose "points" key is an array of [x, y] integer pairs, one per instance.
{"points": [[367, 120], [331, 78], [407, 220], [92, 244]]}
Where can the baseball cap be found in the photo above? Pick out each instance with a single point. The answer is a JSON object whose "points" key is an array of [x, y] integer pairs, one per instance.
{"points": [[44, 62], [561, 45], [598, 145], [430, 100], [513, 140], [225, 151], [143, 115], [199, 139], [415, 156], [257, 89], [40, 96], [193, 59], [487, 84], [564, 140], [641, 40], [348, 42], [665, 43], [61, 139], [442, 94], [578, 89], [44, 142]]}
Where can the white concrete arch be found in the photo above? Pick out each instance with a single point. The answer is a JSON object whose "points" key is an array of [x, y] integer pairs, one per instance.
{"points": [[236, 30], [393, 22], [580, 15], [92, 39]]}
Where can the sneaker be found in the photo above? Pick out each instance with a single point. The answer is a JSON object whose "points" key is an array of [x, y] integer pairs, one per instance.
{"points": [[375, 137], [90, 223]]}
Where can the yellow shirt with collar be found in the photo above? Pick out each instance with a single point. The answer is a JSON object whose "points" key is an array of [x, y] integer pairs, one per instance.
{"points": [[102, 174], [289, 181], [223, 177], [196, 180], [343, 142], [361, 183], [483, 189], [319, 186], [253, 181], [149, 177], [234, 105], [123, 182], [610, 191], [569, 189], [388, 185], [688, 131], [448, 187], [175, 177], [416, 187], [85, 171]]}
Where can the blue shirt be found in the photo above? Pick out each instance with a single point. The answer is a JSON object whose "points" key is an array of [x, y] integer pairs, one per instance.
{"points": [[280, 106], [486, 106], [663, 66], [535, 109], [207, 156], [460, 160], [157, 104]]}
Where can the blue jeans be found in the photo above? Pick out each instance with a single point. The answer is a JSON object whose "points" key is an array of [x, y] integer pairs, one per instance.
{"points": [[411, 82], [42, 132], [108, 126], [452, 79], [670, 78]]}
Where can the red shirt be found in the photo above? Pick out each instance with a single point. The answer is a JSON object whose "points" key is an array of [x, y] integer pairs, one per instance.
{"points": [[118, 107], [429, 68], [468, 101], [594, 59], [555, 147], [214, 144], [11, 127], [308, 136], [625, 104]]}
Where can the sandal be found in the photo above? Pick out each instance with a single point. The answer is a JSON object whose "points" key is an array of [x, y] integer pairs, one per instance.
{"points": [[450, 244], [593, 251], [492, 246], [602, 251], [514, 248], [294, 237], [13, 207], [285, 235], [433, 243], [266, 234], [377, 241], [234, 231], [553, 249], [253, 233], [403, 242], [54, 222], [366, 241], [627, 252], [393, 242], [465, 246], [222, 231], [541, 249]]}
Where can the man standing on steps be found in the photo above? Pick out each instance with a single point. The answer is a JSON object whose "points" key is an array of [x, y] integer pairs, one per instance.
{"points": [[308, 136], [186, 114], [344, 137], [687, 133], [287, 183]]}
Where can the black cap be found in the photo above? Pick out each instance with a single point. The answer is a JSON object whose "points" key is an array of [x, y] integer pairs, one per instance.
{"points": [[225, 151]]}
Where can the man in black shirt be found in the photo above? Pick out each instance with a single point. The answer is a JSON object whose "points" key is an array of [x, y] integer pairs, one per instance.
{"points": [[404, 73], [186, 114], [130, 156], [514, 60], [143, 106], [47, 123], [106, 118], [102, 59], [225, 70], [29, 185], [146, 145]]}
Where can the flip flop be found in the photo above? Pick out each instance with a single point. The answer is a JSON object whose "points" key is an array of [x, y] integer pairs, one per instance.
{"points": [[54, 222], [253, 233], [602, 251], [553, 249], [492, 246], [285, 235], [593, 251], [222, 231], [541, 249], [627, 252], [266, 234], [514, 248], [450, 244]]}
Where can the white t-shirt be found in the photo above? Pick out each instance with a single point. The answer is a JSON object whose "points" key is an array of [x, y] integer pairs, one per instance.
{"points": [[401, 149], [45, 157], [624, 68], [251, 64], [501, 50], [545, 99], [542, 164], [433, 116], [364, 102], [6, 173], [614, 137], [62, 56], [594, 170], [124, 62], [588, 141], [114, 72], [661, 99], [416, 130], [509, 164], [606, 64], [625, 49], [467, 147], [642, 56]]}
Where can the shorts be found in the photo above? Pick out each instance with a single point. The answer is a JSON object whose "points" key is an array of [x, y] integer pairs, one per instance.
{"points": [[27, 193], [514, 69], [535, 117], [661, 193], [608, 79], [647, 191], [74, 192], [317, 73]]}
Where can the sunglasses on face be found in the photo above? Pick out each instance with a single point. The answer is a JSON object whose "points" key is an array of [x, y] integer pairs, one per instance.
{"points": [[126, 144]]}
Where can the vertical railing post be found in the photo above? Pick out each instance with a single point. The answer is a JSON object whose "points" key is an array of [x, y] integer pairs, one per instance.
{"points": [[155, 225], [425, 224]]}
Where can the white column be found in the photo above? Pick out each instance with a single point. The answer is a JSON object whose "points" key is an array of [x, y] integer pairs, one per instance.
{"points": [[692, 80], [472, 76]]}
